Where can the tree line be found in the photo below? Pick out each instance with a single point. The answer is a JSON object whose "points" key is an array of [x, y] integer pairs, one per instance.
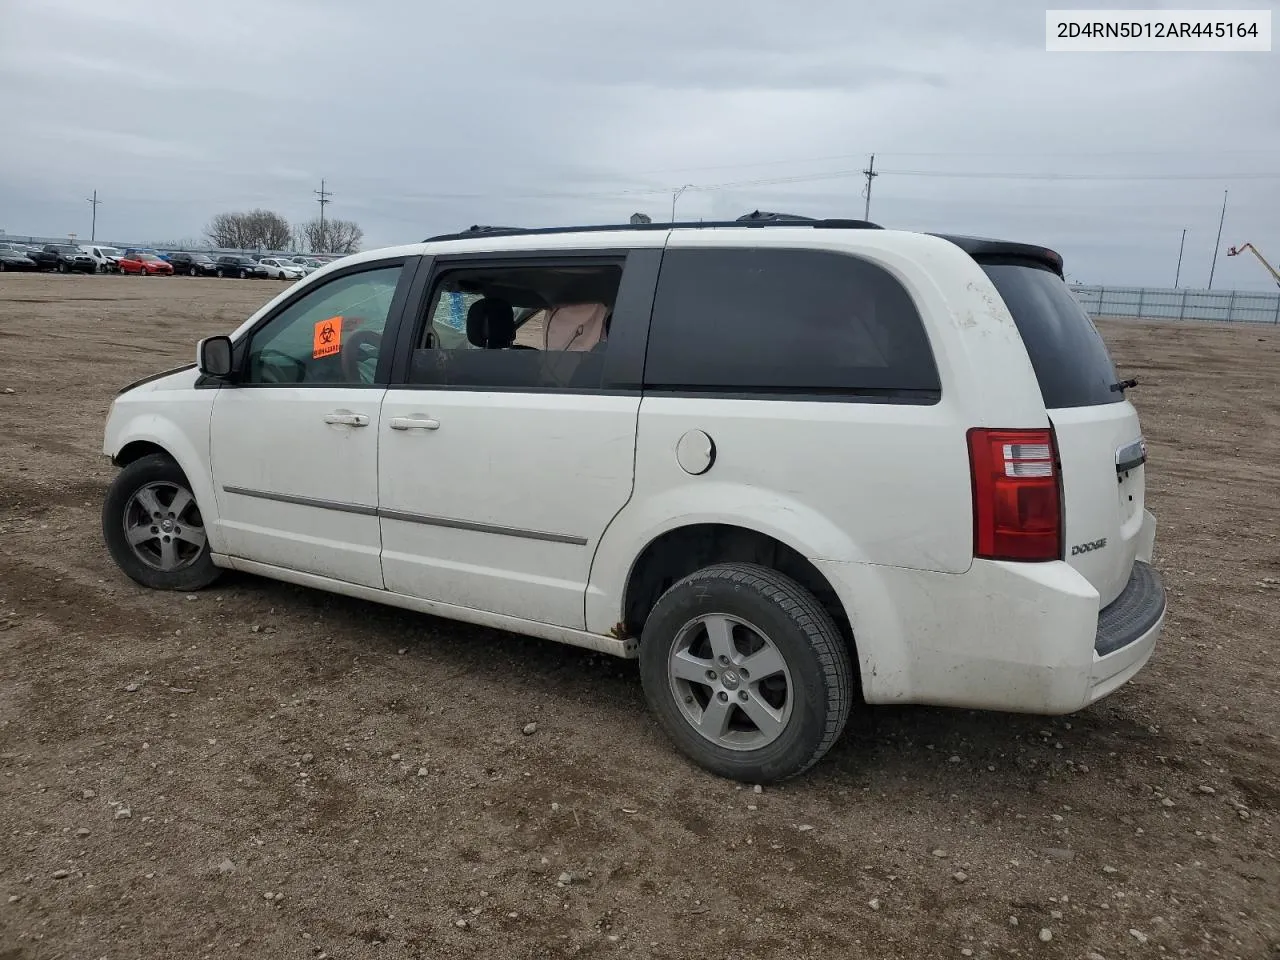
{"points": [[267, 230]]}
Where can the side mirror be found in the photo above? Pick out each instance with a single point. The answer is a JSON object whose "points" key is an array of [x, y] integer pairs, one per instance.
{"points": [[213, 357]]}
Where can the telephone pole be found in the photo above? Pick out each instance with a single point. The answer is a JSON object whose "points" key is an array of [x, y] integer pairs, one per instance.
{"points": [[322, 197], [870, 174], [1178, 272], [93, 230], [1218, 242]]}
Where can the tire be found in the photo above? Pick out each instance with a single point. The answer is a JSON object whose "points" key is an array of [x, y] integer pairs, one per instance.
{"points": [[809, 697], [193, 272], [150, 485], [243, 275], [218, 273], [62, 268], [2, 267]]}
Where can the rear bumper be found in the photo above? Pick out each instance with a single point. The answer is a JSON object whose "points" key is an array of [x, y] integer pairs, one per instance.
{"points": [[1020, 637], [1127, 632]]}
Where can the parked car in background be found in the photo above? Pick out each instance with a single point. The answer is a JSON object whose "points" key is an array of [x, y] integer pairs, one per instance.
{"points": [[145, 265], [193, 264], [237, 265], [309, 265], [282, 269], [65, 258], [106, 258], [11, 259]]}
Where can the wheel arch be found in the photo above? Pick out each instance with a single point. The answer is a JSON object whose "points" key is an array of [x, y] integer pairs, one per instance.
{"points": [[131, 438], [679, 551]]}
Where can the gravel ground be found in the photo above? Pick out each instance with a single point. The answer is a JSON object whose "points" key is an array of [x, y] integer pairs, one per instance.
{"points": [[262, 770]]}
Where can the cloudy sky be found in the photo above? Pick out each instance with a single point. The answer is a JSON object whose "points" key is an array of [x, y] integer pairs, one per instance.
{"points": [[430, 117]]}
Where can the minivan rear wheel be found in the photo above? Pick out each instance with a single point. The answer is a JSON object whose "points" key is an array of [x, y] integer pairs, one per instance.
{"points": [[154, 528], [746, 672]]}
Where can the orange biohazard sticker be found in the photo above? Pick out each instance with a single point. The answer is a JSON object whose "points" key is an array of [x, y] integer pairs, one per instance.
{"points": [[327, 338]]}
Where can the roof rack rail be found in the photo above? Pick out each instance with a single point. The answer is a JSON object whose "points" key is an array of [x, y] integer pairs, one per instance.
{"points": [[760, 216], [755, 219]]}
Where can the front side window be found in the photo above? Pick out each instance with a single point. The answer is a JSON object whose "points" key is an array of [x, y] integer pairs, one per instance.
{"points": [[530, 326], [777, 321], [332, 334]]}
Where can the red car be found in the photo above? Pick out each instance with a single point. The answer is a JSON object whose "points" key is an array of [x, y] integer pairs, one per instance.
{"points": [[144, 264]]}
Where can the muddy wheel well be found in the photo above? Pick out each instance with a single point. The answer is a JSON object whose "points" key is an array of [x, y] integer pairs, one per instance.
{"points": [[680, 552], [136, 451]]}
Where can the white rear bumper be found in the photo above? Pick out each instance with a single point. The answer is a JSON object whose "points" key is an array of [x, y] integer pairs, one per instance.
{"points": [[1002, 636]]}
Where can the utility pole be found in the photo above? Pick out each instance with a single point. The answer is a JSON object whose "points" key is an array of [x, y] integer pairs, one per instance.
{"points": [[675, 195], [870, 174], [1217, 242], [93, 230], [1183, 244], [322, 197]]}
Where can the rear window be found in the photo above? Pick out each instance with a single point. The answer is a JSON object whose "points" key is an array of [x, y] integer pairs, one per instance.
{"points": [[1067, 352], [792, 322]]}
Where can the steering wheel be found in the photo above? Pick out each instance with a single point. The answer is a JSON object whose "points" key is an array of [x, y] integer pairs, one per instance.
{"points": [[273, 363], [354, 350]]}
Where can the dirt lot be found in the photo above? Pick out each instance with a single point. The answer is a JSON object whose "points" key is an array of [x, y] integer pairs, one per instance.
{"points": [[308, 775]]}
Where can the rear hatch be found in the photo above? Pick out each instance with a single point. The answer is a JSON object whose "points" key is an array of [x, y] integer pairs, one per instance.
{"points": [[1098, 435]]}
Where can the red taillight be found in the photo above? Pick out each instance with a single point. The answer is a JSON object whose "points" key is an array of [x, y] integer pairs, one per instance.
{"points": [[1017, 506]]}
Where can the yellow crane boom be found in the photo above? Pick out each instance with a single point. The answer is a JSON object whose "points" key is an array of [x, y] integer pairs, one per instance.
{"points": [[1235, 251]]}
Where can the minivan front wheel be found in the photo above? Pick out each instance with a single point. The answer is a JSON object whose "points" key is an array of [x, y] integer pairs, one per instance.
{"points": [[746, 672], [154, 529]]}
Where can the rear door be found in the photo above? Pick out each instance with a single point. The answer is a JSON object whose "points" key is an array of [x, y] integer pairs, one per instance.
{"points": [[510, 445], [1098, 434]]}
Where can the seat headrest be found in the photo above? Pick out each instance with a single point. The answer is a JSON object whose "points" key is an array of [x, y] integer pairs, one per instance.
{"points": [[575, 326], [491, 324]]}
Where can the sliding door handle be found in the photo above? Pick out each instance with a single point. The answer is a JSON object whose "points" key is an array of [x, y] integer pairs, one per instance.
{"points": [[413, 423]]}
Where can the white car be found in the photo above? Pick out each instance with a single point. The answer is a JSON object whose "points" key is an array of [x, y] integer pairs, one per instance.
{"points": [[783, 462], [281, 268], [106, 259]]}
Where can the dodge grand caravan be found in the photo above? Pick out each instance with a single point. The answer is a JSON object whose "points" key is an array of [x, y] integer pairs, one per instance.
{"points": [[784, 462]]}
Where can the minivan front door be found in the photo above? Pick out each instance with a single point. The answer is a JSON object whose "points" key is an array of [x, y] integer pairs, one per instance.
{"points": [[294, 443]]}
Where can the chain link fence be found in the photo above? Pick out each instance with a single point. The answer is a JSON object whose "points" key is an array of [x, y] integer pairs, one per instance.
{"points": [[1166, 303]]}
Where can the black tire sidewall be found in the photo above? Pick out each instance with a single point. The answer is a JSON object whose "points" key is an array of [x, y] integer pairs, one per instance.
{"points": [[794, 750], [150, 469]]}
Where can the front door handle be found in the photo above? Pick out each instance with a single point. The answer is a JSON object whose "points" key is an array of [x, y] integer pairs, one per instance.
{"points": [[347, 419], [411, 423]]}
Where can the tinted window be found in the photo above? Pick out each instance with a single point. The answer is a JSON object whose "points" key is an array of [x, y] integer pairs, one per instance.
{"points": [[790, 321], [1067, 352], [331, 334]]}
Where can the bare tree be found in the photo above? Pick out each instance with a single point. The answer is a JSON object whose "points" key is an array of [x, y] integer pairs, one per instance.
{"points": [[228, 230], [332, 236], [269, 230], [255, 230]]}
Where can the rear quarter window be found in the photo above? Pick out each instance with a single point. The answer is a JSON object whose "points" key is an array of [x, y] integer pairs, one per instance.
{"points": [[1068, 354], [793, 322]]}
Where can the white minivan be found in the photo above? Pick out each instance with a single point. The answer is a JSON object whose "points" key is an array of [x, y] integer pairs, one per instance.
{"points": [[105, 259], [788, 463]]}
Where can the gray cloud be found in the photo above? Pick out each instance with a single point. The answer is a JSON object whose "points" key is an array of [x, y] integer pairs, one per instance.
{"points": [[424, 120]]}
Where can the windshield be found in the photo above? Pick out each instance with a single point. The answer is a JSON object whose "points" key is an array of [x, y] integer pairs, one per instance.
{"points": [[109, 251], [147, 256], [67, 249], [1067, 352]]}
